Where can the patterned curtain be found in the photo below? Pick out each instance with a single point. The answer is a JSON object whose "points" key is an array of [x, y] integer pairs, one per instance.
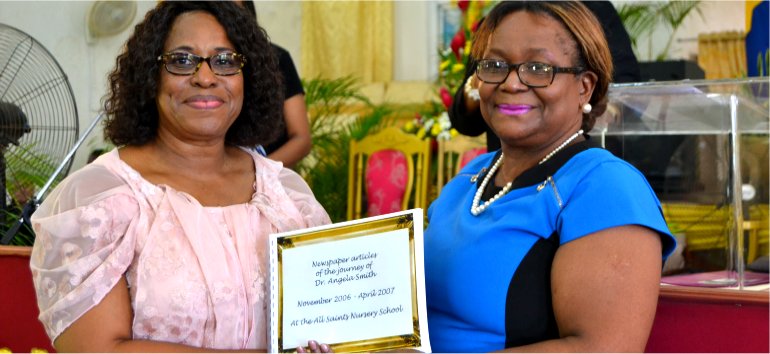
{"points": [[341, 38], [722, 55]]}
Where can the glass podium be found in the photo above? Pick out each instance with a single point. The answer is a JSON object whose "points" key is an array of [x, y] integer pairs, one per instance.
{"points": [[703, 146]]}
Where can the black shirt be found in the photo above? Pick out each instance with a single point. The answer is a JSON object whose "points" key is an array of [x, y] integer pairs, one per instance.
{"points": [[293, 86]]}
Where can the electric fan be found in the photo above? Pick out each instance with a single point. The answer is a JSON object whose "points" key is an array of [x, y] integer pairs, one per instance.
{"points": [[38, 126], [109, 17]]}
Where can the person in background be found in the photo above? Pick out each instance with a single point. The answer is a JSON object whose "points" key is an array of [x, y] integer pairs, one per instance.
{"points": [[464, 112], [551, 244], [95, 153], [295, 141], [160, 245]]}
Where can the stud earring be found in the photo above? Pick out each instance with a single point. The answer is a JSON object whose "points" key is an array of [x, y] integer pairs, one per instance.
{"points": [[587, 108]]}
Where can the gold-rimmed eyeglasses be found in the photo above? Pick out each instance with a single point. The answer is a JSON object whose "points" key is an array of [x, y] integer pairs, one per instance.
{"points": [[532, 74], [222, 64]]}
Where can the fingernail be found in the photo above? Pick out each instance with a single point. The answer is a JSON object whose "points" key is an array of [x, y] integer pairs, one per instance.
{"points": [[324, 347]]}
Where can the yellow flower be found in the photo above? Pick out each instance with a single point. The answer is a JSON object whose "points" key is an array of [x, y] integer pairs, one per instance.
{"points": [[458, 68], [453, 132], [435, 129], [444, 64], [38, 350], [474, 13], [421, 133], [5, 350], [409, 127], [467, 47]]}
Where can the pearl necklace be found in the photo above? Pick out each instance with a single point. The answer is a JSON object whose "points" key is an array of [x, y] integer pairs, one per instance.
{"points": [[477, 209]]}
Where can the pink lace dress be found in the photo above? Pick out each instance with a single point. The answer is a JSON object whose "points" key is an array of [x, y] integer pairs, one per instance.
{"points": [[197, 275]]}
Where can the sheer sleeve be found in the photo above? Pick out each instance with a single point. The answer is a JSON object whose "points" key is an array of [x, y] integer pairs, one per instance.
{"points": [[299, 192], [82, 247]]}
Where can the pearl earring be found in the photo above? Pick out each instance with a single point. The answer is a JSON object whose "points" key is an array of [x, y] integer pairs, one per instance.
{"points": [[587, 108]]}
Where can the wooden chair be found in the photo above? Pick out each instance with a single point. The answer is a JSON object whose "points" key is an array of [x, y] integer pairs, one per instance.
{"points": [[706, 227], [453, 154], [392, 165], [757, 229]]}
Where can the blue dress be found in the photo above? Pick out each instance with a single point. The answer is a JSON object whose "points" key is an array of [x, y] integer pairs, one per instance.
{"points": [[488, 276]]}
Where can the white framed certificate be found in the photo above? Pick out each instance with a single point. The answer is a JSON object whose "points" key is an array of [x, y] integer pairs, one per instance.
{"points": [[356, 285]]}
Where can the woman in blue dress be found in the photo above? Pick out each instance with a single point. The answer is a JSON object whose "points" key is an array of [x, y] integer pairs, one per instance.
{"points": [[550, 243]]}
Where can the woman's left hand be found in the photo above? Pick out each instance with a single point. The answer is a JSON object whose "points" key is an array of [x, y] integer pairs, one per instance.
{"points": [[314, 347]]}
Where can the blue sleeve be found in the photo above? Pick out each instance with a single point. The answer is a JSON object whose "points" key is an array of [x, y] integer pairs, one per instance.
{"points": [[612, 194]]}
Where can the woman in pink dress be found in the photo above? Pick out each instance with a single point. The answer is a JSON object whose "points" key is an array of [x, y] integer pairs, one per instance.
{"points": [[160, 245]]}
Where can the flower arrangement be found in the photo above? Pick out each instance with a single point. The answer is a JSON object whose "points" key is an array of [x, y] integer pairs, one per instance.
{"points": [[453, 59], [434, 126], [434, 123]]}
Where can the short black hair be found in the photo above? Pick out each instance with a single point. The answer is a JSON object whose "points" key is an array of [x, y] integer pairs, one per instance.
{"points": [[132, 114]]}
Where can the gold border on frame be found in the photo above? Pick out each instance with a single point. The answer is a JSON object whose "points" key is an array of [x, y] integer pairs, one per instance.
{"points": [[343, 233]]}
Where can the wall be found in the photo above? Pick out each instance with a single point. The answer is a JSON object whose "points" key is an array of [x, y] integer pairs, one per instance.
{"points": [[716, 16], [416, 56], [60, 27], [282, 20]]}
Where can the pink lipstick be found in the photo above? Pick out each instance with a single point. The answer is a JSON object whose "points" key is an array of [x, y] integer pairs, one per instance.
{"points": [[514, 109]]}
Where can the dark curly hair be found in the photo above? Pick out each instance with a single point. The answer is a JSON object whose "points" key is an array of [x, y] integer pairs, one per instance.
{"points": [[130, 106], [593, 52]]}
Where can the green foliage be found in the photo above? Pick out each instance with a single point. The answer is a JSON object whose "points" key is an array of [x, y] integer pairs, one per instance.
{"points": [[24, 236], [763, 66], [27, 171], [27, 167], [454, 56], [637, 21], [333, 127], [326, 98], [642, 18]]}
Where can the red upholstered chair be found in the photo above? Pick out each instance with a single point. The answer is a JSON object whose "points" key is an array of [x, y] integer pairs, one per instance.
{"points": [[386, 182], [455, 153], [391, 168], [20, 331], [470, 155]]}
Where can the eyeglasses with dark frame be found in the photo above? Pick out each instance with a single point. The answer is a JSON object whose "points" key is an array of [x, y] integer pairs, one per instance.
{"points": [[532, 74], [222, 64]]}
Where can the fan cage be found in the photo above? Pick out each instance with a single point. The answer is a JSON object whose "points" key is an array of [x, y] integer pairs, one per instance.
{"points": [[33, 86]]}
